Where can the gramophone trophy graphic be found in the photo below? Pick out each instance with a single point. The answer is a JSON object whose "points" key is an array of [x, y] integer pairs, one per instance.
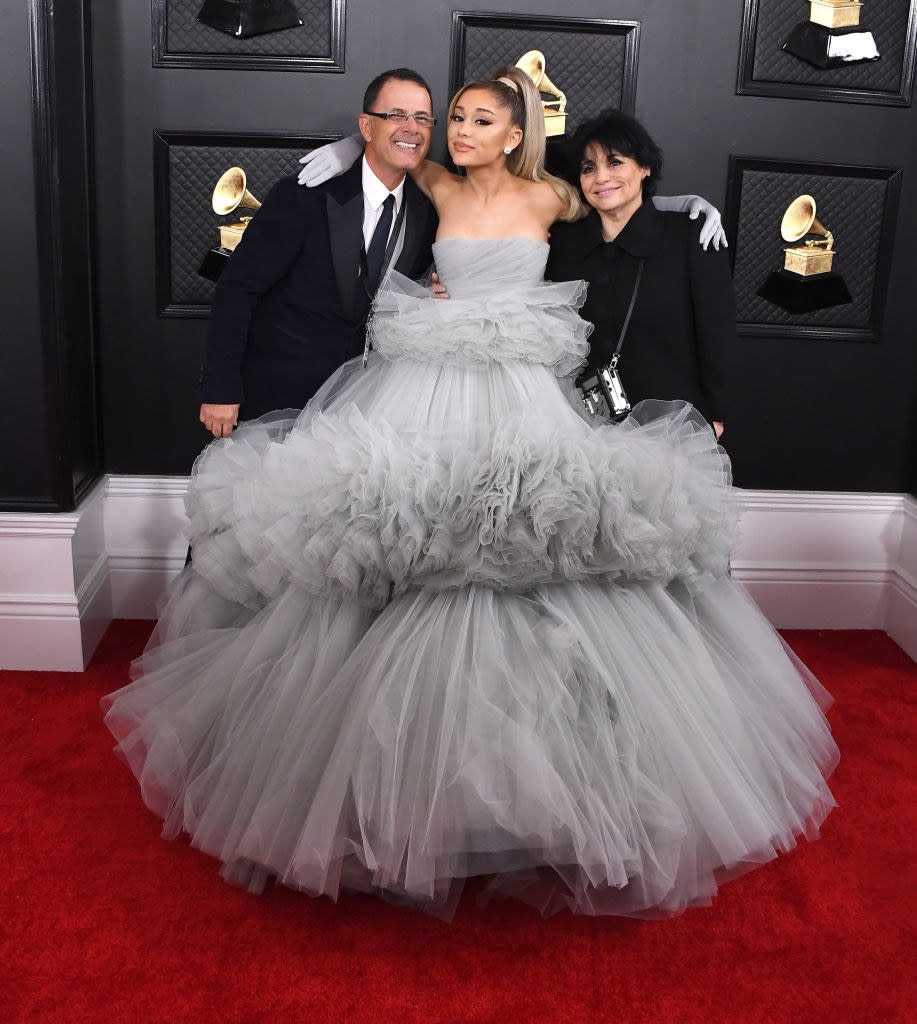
{"points": [[832, 37], [807, 281], [243, 19], [555, 111], [230, 193]]}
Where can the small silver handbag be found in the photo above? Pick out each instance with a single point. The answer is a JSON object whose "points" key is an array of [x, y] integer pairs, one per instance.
{"points": [[602, 389]]}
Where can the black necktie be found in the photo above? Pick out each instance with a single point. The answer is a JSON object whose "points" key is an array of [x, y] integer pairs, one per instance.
{"points": [[375, 254]]}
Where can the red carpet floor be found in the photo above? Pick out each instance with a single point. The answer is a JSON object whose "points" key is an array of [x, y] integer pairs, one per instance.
{"points": [[102, 921]]}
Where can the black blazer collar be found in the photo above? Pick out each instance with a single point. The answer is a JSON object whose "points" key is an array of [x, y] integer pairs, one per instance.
{"points": [[344, 206], [344, 203], [641, 236]]}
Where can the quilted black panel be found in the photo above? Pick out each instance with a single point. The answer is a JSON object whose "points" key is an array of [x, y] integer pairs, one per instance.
{"points": [[851, 208], [193, 226], [312, 39], [886, 19], [588, 66]]}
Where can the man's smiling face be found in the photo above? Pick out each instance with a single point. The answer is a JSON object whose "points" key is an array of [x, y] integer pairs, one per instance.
{"points": [[393, 149]]}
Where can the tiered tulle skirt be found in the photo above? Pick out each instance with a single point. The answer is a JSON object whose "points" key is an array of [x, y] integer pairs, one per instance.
{"points": [[313, 710], [438, 625]]}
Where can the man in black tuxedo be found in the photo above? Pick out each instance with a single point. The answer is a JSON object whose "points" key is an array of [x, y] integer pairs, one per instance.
{"points": [[291, 305]]}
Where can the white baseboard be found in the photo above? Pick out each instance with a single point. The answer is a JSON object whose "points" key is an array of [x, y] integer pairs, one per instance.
{"points": [[901, 621], [55, 595], [811, 560], [818, 597], [820, 560], [139, 582], [145, 526]]}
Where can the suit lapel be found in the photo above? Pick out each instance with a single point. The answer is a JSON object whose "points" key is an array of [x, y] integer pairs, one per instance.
{"points": [[344, 205]]}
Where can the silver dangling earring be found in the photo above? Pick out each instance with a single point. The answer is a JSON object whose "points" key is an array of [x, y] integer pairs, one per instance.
{"points": [[507, 150]]}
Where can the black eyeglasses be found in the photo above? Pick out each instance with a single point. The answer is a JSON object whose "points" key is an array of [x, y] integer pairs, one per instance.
{"points": [[400, 117]]}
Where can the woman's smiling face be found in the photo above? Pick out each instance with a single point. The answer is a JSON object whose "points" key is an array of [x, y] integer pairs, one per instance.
{"points": [[611, 183]]}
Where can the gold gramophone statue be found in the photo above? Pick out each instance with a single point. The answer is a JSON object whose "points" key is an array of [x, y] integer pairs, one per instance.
{"points": [[555, 111], [229, 194], [807, 281], [832, 37], [808, 258]]}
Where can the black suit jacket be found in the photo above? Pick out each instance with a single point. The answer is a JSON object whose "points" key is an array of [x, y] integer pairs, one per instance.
{"points": [[290, 306], [681, 340]]}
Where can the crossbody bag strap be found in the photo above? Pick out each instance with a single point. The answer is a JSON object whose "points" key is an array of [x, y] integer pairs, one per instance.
{"points": [[630, 309]]}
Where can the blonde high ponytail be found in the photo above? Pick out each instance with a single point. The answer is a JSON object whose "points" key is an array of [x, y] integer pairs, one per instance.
{"points": [[514, 90]]}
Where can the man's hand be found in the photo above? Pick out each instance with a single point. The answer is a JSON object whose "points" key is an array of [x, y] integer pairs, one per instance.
{"points": [[219, 419], [330, 160], [438, 289], [718, 428], [694, 206]]}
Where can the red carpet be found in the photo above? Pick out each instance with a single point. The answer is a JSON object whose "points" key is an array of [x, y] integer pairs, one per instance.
{"points": [[102, 921]]}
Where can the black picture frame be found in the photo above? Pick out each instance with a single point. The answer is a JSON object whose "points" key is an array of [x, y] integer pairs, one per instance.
{"points": [[764, 70], [183, 245], [489, 30], [859, 205], [202, 47]]}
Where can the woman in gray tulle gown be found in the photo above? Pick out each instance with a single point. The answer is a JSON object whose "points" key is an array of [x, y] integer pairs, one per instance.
{"points": [[441, 625]]}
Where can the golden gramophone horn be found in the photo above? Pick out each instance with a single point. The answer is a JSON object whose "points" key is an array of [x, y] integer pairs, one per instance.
{"points": [[532, 63], [800, 220], [555, 120], [230, 192]]}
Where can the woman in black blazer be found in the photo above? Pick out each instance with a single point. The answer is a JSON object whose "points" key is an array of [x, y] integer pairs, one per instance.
{"points": [[681, 336]]}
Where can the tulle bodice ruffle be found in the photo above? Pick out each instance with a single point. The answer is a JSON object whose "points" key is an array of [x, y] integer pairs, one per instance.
{"points": [[500, 309]]}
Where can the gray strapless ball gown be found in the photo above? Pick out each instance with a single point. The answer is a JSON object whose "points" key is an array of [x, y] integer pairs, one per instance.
{"points": [[441, 625]]}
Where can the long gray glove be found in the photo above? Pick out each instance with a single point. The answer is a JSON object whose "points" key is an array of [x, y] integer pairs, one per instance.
{"points": [[712, 228], [330, 160]]}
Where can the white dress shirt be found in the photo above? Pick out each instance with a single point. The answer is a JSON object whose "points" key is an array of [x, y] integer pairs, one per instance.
{"points": [[374, 195]]}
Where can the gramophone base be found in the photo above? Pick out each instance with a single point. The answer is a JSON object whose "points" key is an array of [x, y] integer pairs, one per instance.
{"points": [[243, 19], [798, 294], [214, 262], [831, 47]]}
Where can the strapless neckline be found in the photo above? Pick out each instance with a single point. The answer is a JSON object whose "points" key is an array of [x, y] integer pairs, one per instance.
{"points": [[510, 238]]}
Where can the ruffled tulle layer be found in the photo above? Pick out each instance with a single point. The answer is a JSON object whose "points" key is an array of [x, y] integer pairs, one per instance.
{"points": [[357, 508], [536, 323], [611, 749]]}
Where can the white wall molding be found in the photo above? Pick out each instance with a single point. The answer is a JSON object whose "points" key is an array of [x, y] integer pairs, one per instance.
{"points": [[815, 560], [145, 538], [901, 619], [55, 599], [819, 560]]}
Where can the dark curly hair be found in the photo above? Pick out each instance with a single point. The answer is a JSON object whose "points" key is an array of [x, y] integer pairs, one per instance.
{"points": [[396, 74], [617, 133]]}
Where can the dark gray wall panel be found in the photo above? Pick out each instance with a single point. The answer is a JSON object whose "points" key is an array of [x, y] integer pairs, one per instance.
{"points": [[814, 414], [767, 69], [180, 40], [48, 358], [594, 65], [187, 167], [24, 469], [859, 205]]}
